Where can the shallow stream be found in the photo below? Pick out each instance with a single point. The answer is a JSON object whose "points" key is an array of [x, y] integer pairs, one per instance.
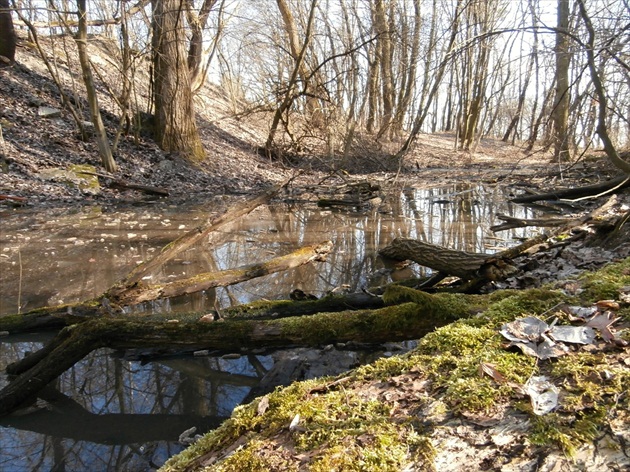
{"points": [[113, 414]]}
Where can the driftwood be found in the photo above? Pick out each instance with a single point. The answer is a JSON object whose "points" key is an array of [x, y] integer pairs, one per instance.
{"points": [[474, 266], [142, 293], [196, 235], [464, 265], [510, 222], [62, 315], [619, 183], [359, 194], [114, 182], [405, 321]]}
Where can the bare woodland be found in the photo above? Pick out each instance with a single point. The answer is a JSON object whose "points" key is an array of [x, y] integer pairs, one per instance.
{"points": [[355, 83]]}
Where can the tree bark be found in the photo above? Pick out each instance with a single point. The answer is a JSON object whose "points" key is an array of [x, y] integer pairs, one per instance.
{"points": [[7, 35], [560, 114], [175, 125], [197, 23], [462, 264], [95, 113]]}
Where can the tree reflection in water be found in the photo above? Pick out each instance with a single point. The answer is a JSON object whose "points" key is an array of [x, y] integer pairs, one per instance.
{"points": [[109, 413]]}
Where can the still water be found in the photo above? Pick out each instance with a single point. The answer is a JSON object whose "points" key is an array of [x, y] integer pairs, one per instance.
{"points": [[113, 414]]}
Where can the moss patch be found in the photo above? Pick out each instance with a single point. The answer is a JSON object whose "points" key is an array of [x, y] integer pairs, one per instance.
{"points": [[383, 416]]}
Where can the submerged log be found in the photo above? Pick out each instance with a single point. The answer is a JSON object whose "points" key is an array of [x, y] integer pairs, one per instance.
{"points": [[409, 320], [62, 315], [196, 235]]}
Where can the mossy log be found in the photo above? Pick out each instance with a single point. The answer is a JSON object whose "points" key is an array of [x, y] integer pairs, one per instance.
{"points": [[57, 317], [410, 320]]}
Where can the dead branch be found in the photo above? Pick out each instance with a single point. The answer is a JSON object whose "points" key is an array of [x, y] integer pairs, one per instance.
{"points": [[620, 183], [398, 322], [142, 293]]}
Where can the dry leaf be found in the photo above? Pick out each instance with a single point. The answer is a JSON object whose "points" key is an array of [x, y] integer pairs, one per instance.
{"points": [[573, 334], [491, 370], [524, 329], [263, 405], [602, 323], [604, 305], [543, 394]]}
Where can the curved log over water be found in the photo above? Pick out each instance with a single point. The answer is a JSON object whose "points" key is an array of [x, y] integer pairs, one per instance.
{"points": [[465, 265], [409, 320]]}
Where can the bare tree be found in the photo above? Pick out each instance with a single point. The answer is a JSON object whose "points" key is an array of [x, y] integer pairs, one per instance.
{"points": [[602, 130], [7, 35], [560, 113], [101, 134], [176, 127]]}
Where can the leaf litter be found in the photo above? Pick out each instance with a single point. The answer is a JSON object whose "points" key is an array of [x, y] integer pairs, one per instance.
{"points": [[534, 337]]}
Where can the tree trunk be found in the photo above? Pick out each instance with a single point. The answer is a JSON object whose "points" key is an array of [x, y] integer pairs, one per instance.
{"points": [[197, 23], [602, 129], [7, 35], [384, 51], [560, 114], [95, 113], [175, 125]]}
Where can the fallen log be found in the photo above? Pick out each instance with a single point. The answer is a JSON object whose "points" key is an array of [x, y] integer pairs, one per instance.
{"points": [[196, 235], [477, 267], [409, 320], [60, 316], [142, 293], [619, 183], [465, 265], [509, 222]]}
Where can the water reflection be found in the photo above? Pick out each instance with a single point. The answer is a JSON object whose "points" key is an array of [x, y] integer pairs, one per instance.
{"points": [[114, 414]]}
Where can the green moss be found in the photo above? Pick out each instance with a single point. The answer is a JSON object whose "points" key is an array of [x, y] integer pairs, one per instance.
{"points": [[352, 426], [589, 380], [566, 432], [508, 305], [606, 283], [439, 306]]}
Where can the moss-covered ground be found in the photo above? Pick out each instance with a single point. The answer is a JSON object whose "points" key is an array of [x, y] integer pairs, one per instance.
{"points": [[386, 416]]}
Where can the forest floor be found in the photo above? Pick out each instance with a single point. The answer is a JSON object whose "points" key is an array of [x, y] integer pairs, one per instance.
{"points": [[38, 151]]}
